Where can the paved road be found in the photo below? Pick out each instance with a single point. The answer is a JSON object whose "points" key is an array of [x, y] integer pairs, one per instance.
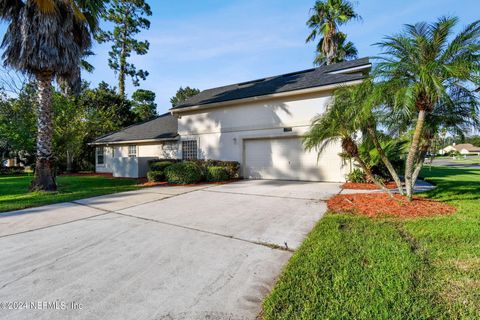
{"points": [[209, 252], [452, 163]]}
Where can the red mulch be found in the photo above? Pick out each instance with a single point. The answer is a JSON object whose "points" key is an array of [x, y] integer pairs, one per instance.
{"points": [[380, 204], [367, 186]]}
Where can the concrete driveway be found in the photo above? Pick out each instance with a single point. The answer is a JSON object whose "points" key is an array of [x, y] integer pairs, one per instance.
{"points": [[206, 252]]}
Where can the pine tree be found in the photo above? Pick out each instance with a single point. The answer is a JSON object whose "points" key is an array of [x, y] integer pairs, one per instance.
{"points": [[128, 17]]}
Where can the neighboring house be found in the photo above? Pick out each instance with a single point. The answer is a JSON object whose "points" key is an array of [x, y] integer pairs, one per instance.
{"points": [[464, 148], [258, 123]]}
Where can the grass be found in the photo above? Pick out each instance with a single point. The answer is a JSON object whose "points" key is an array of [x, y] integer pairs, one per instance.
{"points": [[14, 193], [353, 267], [471, 159]]}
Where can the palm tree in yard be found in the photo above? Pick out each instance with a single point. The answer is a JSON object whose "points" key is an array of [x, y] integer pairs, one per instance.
{"points": [[427, 66], [342, 122], [327, 17], [47, 39]]}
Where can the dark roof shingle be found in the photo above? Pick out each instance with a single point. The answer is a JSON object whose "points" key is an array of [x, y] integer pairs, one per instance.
{"points": [[164, 126], [310, 78]]}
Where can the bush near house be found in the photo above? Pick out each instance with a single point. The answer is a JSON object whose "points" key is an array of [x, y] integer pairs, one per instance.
{"points": [[229, 169], [155, 176], [217, 174], [357, 176], [186, 172], [159, 165]]}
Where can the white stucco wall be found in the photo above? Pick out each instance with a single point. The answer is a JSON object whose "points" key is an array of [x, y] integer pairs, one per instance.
{"points": [[106, 167], [116, 155], [221, 132]]}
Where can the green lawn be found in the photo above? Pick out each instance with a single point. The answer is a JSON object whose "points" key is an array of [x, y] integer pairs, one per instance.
{"points": [[14, 190], [352, 267]]}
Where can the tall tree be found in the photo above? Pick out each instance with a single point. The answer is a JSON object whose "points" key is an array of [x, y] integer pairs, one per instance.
{"points": [[182, 95], [144, 106], [327, 17], [346, 50], [128, 17], [47, 39], [427, 66]]}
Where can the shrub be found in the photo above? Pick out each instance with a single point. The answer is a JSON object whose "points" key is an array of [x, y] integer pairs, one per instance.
{"points": [[183, 173], [357, 176], [5, 171], [155, 176], [159, 165], [216, 174], [232, 167]]}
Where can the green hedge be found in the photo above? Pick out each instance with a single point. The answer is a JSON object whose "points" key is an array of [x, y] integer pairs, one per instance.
{"points": [[186, 172], [156, 176], [232, 167], [159, 165], [217, 174], [6, 171]]}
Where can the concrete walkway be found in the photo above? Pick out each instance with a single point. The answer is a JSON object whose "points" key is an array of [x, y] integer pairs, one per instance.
{"points": [[206, 252]]}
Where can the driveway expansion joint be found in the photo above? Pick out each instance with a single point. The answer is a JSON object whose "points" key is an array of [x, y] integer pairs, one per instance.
{"points": [[260, 243]]}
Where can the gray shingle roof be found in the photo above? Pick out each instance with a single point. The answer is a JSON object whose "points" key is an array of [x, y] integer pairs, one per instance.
{"points": [[164, 126], [310, 78]]}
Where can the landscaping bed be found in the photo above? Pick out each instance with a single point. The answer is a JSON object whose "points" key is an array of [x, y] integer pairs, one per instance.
{"points": [[381, 204], [366, 186]]}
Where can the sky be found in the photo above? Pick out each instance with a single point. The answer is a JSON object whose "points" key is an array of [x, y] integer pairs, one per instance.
{"points": [[209, 43]]}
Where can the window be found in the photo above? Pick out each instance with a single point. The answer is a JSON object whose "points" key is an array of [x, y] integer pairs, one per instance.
{"points": [[132, 151], [100, 155], [189, 150]]}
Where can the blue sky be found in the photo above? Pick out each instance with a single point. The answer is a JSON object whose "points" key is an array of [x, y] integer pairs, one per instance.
{"points": [[210, 43]]}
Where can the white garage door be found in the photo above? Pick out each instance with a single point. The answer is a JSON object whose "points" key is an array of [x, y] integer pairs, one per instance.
{"points": [[286, 159]]}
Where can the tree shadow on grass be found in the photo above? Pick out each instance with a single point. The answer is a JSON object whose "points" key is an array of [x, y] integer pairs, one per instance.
{"points": [[453, 183]]}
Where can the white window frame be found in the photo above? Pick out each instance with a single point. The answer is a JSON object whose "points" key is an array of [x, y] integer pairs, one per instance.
{"points": [[132, 151], [189, 154], [100, 153]]}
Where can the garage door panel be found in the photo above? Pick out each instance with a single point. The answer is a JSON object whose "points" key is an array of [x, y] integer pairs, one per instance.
{"points": [[286, 159]]}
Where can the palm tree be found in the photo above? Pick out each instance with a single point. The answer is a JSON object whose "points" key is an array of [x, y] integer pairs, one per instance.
{"points": [[345, 51], [423, 67], [47, 39], [325, 21], [366, 99], [341, 122]]}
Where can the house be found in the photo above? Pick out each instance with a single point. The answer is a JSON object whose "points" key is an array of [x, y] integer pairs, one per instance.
{"points": [[258, 123], [463, 148], [126, 153]]}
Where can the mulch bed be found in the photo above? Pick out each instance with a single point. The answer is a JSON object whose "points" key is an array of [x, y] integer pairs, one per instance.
{"points": [[380, 204], [367, 186]]}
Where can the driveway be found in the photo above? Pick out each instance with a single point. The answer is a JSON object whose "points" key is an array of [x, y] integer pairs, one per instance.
{"points": [[206, 252]]}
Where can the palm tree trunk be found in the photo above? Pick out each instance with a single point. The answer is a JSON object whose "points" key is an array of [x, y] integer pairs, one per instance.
{"points": [[386, 161], [44, 178], [413, 153], [371, 177], [421, 160]]}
